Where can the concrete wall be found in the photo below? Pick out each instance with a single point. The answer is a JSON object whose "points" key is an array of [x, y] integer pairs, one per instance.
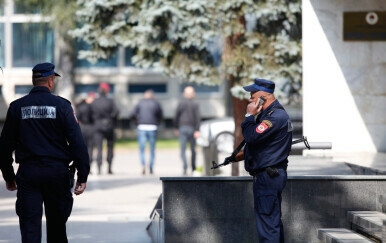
{"points": [[344, 83], [220, 209]]}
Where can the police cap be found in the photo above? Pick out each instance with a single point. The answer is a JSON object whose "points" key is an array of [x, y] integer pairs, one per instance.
{"points": [[43, 70], [261, 85]]}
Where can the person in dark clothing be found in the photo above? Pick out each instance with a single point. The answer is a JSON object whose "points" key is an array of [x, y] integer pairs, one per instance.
{"points": [[148, 114], [187, 121], [86, 122], [267, 131], [43, 131], [105, 114]]}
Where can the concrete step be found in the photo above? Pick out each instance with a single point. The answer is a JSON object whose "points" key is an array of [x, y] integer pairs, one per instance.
{"points": [[155, 229], [341, 236], [365, 170], [370, 222], [382, 201]]}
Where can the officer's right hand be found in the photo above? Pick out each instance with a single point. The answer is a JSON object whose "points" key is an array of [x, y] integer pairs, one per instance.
{"points": [[254, 108], [11, 185], [79, 188]]}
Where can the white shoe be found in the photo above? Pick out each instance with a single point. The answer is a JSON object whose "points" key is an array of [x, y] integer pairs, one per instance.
{"points": [[196, 173]]}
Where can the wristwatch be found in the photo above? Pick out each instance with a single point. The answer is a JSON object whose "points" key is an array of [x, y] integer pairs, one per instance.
{"points": [[248, 114]]}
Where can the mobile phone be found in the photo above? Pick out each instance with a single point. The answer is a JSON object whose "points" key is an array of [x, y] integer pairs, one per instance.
{"points": [[262, 100]]}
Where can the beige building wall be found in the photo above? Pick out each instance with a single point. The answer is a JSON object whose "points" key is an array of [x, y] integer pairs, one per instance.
{"points": [[344, 83]]}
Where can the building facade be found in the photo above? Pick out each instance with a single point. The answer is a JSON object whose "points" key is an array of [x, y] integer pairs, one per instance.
{"points": [[344, 81]]}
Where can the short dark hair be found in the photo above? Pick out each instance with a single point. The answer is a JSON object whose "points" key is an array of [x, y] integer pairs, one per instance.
{"points": [[40, 80]]}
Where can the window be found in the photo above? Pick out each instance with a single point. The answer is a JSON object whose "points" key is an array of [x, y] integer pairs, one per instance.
{"points": [[85, 88], [214, 46], [200, 88], [81, 45], [21, 8], [2, 8], [2, 62], [141, 88], [32, 43], [128, 55], [23, 89]]}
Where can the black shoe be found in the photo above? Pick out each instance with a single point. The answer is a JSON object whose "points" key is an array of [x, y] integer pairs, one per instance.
{"points": [[151, 170], [110, 172]]}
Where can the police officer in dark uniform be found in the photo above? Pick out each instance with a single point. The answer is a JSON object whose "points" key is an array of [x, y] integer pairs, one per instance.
{"points": [[105, 114], [267, 131], [86, 122], [44, 133]]}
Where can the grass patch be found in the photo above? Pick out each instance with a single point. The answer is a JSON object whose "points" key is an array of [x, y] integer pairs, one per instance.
{"points": [[161, 143]]}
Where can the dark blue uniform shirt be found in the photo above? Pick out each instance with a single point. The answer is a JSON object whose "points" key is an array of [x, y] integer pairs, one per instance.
{"points": [[41, 125], [268, 139]]}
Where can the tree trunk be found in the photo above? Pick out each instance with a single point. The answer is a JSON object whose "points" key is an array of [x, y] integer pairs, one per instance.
{"points": [[239, 108], [66, 84]]}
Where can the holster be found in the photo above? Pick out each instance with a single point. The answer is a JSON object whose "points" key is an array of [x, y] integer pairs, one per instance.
{"points": [[71, 176], [272, 171]]}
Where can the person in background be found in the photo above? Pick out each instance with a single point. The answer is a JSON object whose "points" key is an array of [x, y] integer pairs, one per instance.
{"points": [[187, 122], [105, 114], [148, 114], [43, 131], [86, 122]]}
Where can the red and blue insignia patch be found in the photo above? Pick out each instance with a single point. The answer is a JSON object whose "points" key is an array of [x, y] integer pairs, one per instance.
{"points": [[264, 125], [261, 128]]}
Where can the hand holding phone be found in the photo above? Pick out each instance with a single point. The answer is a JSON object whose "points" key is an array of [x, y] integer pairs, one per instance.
{"points": [[254, 108]]}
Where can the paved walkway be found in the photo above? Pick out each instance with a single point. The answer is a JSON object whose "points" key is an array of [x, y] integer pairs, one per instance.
{"points": [[116, 208]]}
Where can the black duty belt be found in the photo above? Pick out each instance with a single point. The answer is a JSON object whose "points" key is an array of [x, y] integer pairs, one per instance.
{"points": [[282, 165]]}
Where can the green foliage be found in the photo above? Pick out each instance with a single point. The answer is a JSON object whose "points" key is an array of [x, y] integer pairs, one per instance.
{"points": [[256, 38]]}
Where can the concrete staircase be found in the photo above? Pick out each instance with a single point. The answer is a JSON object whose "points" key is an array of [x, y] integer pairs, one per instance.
{"points": [[341, 236], [366, 226]]}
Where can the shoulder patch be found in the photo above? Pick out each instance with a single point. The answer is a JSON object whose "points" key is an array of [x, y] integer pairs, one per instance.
{"points": [[268, 123], [261, 128]]}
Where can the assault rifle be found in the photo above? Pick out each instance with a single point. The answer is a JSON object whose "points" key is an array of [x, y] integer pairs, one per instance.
{"points": [[241, 145]]}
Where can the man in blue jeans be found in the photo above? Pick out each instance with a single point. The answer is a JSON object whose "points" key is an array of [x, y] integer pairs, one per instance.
{"points": [[148, 114], [187, 120]]}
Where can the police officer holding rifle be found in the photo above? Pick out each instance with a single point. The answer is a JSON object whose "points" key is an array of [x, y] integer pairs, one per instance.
{"points": [[43, 131], [267, 131]]}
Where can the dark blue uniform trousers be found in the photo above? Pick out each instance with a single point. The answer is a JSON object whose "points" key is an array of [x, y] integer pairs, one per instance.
{"points": [[43, 182], [267, 203]]}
